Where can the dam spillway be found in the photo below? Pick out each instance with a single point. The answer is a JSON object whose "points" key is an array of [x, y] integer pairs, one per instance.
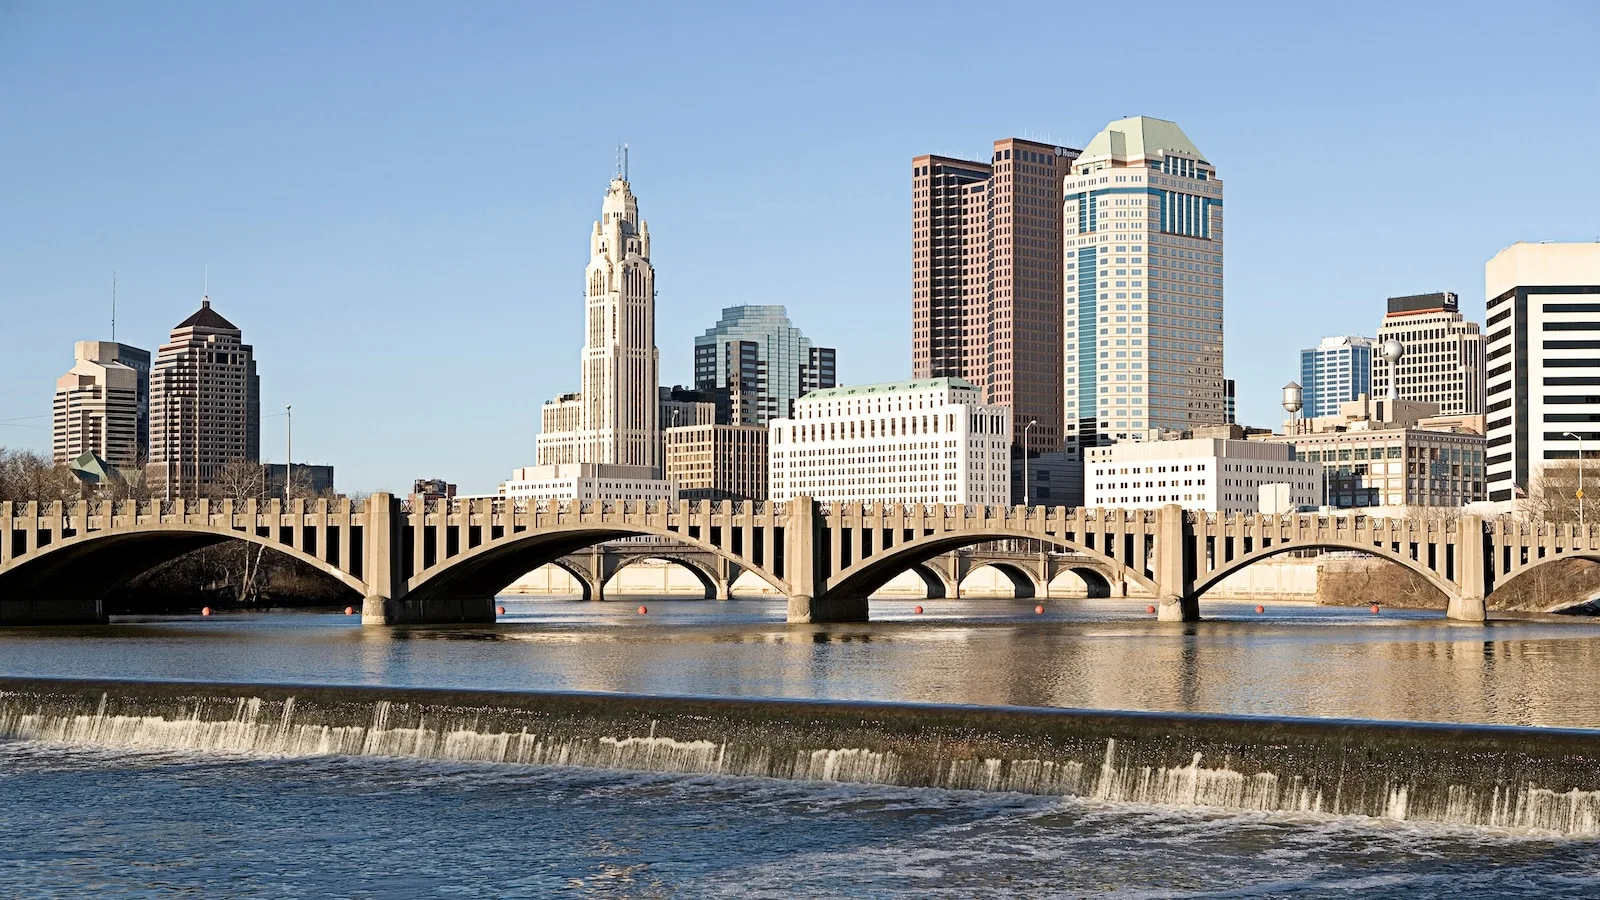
{"points": [[1487, 776]]}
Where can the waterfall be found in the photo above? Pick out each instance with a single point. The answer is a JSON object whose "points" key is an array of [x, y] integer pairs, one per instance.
{"points": [[1544, 779]]}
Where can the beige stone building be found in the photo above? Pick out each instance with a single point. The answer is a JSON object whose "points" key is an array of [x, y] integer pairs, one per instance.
{"points": [[96, 408], [986, 270], [205, 405], [718, 462]]}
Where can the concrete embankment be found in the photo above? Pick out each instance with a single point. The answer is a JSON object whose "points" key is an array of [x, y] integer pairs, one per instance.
{"points": [[1542, 779]]}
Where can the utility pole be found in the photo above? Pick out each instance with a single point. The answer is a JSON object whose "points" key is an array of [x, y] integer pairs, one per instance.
{"points": [[1025, 429], [288, 466]]}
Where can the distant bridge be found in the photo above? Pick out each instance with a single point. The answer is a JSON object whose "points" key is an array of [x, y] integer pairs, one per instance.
{"points": [[444, 561], [1027, 565]]}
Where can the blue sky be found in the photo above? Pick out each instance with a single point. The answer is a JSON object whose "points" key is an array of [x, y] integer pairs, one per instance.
{"points": [[395, 200]]}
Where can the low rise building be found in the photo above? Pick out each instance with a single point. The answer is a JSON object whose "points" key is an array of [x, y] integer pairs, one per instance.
{"points": [[433, 489], [925, 441], [1393, 454], [718, 462], [309, 480], [1215, 469], [586, 481]]}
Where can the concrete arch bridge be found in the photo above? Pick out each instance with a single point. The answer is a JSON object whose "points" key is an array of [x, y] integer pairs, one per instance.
{"points": [[415, 561]]}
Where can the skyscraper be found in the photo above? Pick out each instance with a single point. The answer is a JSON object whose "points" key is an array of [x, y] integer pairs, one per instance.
{"points": [[1543, 301], [763, 362], [986, 296], [205, 405], [1337, 370], [1443, 358], [96, 408], [612, 420], [1143, 285]]}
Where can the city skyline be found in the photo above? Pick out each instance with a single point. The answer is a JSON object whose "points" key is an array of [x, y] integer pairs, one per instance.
{"points": [[337, 254]]}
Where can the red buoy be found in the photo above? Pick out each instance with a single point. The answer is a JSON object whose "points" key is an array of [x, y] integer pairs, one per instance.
{"points": [[500, 610], [205, 610], [643, 610], [917, 610], [1039, 610], [1261, 609], [349, 610], [1150, 609], [1374, 609]]}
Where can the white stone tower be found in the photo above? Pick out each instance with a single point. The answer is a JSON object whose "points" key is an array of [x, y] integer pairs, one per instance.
{"points": [[617, 403]]}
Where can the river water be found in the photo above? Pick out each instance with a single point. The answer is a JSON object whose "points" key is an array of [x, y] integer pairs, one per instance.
{"points": [[80, 818]]}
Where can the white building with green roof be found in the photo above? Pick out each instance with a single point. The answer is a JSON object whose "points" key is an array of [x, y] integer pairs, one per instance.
{"points": [[926, 441], [1143, 284]]}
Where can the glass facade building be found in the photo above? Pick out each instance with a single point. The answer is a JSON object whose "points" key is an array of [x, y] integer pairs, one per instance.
{"points": [[1337, 370], [762, 362]]}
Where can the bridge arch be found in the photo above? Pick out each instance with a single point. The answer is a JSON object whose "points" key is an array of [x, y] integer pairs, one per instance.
{"points": [[709, 579], [486, 569], [1506, 580], [864, 577], [1023, 584], [1215, 576], [89, 565], [1096, 584], [936, 584]]}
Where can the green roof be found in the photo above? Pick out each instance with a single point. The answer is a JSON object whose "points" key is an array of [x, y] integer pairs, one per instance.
{"points": [[891, 387], [1139, 136]]}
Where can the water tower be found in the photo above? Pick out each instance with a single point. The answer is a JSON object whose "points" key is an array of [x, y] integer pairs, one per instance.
{"points": [[1293, 402], [1391, 351]]}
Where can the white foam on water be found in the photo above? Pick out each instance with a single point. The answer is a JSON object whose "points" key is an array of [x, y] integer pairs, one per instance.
{"points": [[252, 726]]}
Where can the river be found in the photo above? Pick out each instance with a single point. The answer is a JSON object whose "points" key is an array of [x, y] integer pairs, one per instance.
{"points": [[125, 821]]}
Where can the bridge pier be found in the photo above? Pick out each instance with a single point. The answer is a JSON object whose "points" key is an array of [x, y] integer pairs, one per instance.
{"points": [[1467, 602], [808, 610]]}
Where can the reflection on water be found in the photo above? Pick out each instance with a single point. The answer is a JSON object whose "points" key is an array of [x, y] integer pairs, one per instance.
{"points": [[1292, 660]]}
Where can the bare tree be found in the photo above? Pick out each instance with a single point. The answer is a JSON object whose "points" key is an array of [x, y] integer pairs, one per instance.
{"points": [[29, 475]]}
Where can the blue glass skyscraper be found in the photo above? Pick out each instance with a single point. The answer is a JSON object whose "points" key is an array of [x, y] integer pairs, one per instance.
{"points": [[1335, 371]]}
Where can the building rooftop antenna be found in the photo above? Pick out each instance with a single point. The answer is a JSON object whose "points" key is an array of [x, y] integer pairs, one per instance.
{"points": [[624, 162], [113, 306]]}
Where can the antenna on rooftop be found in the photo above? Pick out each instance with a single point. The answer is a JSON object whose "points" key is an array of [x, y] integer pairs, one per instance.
{"points": [[205, 289], [624, 162], [113, 306]]}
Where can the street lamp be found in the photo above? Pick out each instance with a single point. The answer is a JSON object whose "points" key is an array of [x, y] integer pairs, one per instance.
{"points": [[1025, 429], [1581, 524]]}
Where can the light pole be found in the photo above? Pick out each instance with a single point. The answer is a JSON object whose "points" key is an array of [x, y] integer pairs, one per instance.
{"points": [[288, 465], [1581, 524], [1025, 429]]}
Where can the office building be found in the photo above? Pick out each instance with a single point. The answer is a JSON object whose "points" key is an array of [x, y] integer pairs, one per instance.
{"points": [[1230, 402], [1397, 455], [1213, 469], [1337, 370], [205, 405], [718, 462], [1543, 361], [96, 408], [986, 264], [586, 481], [756, 356], [682, 406], [1144, 286], [1442, 360], [612, 419], [927, 441]]}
